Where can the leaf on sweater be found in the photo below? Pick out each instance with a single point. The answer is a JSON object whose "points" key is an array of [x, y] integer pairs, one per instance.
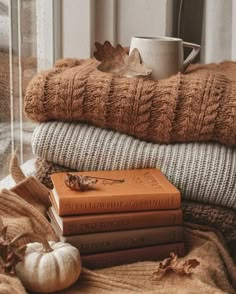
{"points": [[116, 60], [172, 264], [105, 51]]}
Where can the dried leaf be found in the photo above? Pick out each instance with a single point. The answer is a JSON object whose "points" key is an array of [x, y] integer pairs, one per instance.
{"points": [[188, 265], [1, 266], [116, 60], [104, 51], [10, 253], [3, 233], [172, 264], [81, 183]]}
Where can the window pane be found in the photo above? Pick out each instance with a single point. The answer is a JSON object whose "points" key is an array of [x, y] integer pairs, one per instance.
{"points": [[18, 64]]}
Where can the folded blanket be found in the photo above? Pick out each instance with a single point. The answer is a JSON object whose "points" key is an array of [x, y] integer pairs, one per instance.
{"points": [[222, 219], [10, 284], [20, 216], [196, 106], [202, 172], [215, 274]]}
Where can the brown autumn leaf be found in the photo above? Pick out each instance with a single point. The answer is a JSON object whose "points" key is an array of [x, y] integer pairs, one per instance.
{"points": [[79, 182], [172, 264], [104, 51], [82, 183], [116, 60], [10, 253]]}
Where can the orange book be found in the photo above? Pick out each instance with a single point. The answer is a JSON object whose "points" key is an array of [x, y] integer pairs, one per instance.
{"points": [[140, 190], [94, 223]]}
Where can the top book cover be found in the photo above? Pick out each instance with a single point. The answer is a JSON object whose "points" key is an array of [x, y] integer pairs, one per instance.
{"points": [[140, 190]]}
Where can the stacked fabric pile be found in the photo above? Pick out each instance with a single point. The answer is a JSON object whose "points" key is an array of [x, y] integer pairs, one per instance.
{"points": [[184, 125]]}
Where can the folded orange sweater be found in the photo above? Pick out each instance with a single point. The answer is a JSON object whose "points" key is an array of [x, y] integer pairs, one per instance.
{"points": [[199, 105]]}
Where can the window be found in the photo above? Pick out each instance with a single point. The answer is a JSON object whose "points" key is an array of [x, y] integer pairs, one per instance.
{"points": [[26, 46], [34, 33]]}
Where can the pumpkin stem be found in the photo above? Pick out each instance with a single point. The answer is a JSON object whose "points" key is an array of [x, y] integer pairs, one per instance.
{"points": [[38, 238]]}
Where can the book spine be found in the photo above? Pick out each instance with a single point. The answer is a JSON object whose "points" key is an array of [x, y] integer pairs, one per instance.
{"points": [[75, 206], [114, 258], [102, 242], [121, 221]]}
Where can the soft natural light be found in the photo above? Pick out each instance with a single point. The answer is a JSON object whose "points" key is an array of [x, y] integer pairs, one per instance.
{"points": [[117, 146]]}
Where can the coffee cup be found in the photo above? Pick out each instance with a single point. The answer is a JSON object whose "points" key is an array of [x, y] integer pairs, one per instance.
{"points": [[164, 55]]}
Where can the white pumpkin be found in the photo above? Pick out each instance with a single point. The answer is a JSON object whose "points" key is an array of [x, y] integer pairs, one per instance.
{"points": [[49, 267]]}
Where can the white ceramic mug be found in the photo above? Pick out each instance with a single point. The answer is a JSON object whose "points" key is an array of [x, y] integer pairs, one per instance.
{"points": [[164, 55]]}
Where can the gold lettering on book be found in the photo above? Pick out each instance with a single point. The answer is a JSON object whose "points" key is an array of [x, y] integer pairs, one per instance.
{"points": [[148, 179], [138, 204], [100, 225]]}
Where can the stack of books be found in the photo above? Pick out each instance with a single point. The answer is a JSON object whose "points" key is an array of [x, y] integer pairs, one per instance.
{"points": [[127, 216]]}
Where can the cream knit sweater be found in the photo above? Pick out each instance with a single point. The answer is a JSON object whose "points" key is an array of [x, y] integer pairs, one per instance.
{"points": [[202, 172]]}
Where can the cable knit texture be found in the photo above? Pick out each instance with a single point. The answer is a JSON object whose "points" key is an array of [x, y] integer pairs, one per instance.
{"points": [[202, 172], [20, 216], [197, 106]]}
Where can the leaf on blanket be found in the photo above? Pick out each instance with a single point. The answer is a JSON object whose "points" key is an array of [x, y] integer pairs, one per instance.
{"points": [[10, 253], [172, 264], [116, 60]]}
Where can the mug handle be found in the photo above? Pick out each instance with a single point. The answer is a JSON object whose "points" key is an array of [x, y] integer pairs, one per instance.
{"points": [[192, 55]]}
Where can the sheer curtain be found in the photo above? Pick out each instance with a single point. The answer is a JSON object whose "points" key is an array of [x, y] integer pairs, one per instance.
{"points": [[18, 63], [211, 23], [218, 31], [26, 46]]}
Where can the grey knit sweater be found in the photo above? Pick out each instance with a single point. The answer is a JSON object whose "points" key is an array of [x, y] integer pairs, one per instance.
{"points": [[202, 172]]}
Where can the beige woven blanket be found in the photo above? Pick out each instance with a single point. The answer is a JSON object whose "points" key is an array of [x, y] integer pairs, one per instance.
{"points": [[21, 216], [197, 106], [215, 274]]}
